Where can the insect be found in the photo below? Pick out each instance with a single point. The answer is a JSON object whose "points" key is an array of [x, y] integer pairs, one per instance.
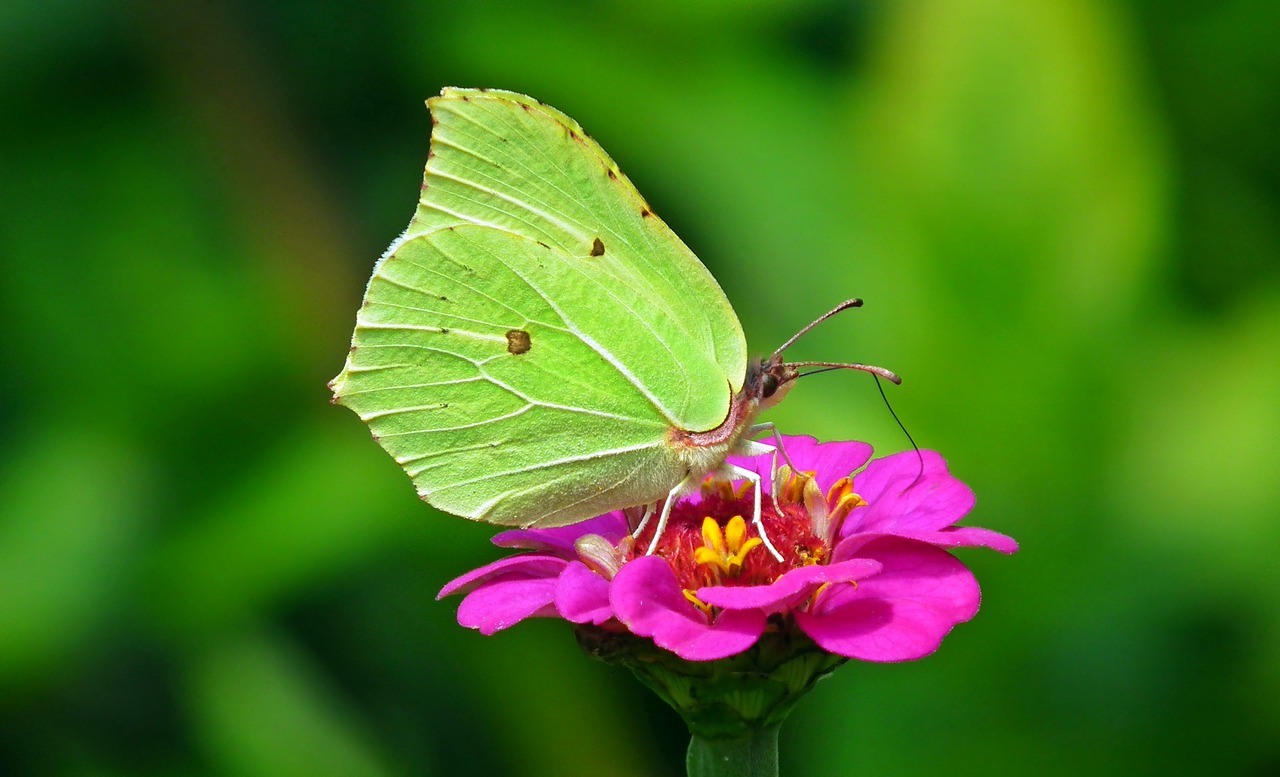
{"points": [[538, 347]]}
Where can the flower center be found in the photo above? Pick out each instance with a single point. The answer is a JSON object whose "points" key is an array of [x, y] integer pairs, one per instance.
{"points": [[711, 542]]}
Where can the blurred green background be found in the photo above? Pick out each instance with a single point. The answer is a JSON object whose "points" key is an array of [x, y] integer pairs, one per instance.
{"points": [[1064, 217]]}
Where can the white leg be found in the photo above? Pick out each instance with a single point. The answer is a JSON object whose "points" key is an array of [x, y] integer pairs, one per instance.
{"points": [[678, 491], [644, 519], [768, 426], [745, 447], [732, 471], [749, 447], [752, 448]]}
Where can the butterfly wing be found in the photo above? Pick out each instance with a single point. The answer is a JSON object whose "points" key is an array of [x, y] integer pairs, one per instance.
{"points": [[506, 160], [524, 349]]}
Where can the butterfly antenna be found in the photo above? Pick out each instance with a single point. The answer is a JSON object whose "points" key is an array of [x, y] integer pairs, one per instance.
{"points": [[817, 372], [879, 372], [849, 303], [903, 427]]}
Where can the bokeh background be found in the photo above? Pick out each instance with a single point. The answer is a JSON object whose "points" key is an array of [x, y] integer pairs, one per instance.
{"points": [[1064, 216]]}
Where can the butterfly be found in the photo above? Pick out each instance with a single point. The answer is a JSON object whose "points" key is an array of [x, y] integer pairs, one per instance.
{"points": [[538, 347]]}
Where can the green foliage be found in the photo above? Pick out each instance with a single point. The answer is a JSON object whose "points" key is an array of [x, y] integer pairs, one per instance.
{"points": [[1065, 219]]}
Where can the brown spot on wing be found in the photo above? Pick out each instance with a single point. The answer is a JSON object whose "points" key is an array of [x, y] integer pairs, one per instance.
{"points": [[518, 342], [597, 247]]}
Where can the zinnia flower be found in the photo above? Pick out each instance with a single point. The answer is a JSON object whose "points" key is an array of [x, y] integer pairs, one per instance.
{"points": [[865, 570]]}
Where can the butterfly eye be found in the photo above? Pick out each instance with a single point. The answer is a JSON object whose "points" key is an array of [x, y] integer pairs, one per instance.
{"points": [[768, 385]]}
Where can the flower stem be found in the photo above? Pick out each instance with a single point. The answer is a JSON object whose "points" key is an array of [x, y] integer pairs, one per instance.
{"points": [[754, 755]]}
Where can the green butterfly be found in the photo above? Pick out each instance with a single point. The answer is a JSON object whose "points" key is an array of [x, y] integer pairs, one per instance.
{"points": [[538, 347]]}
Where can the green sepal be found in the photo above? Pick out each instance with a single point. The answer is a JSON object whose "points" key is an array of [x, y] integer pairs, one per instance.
{"points": [[728, 699]]}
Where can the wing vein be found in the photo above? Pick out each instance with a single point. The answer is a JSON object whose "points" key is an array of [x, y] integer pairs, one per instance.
{"points": [[555, 463]]}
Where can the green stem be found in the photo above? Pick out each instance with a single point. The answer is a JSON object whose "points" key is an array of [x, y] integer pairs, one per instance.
{"points": [[755, 755]]}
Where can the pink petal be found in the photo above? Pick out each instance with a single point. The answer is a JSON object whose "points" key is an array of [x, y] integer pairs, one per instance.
{"points": [[789, 589], [952, 537], [501, 603], [900, 614], [965, 537], [904, 497], [527, 566], [559, 540], [647, 598], [831, 460], [582, 596]]}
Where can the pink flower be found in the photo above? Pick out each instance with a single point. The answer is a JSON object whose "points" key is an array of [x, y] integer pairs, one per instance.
{"points": [[865, 570]]}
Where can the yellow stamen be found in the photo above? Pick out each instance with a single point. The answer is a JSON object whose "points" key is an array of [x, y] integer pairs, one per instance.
{"points": [[734, 532], [794, 489], [808, 557], [714, 486], [842, 501], [696, 602], [725, 489], [814, 597], [712, 535], [848, 502], [726, 549], [708, 556], [838, 490]]}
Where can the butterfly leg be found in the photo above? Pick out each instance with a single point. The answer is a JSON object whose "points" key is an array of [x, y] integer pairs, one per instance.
{"points": [[649, 510], [749, 447], [732, 471], [778, 447], [683, 487]]}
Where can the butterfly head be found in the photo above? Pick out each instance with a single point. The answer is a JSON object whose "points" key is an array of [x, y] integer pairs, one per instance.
{"points": [[770, 380]]}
